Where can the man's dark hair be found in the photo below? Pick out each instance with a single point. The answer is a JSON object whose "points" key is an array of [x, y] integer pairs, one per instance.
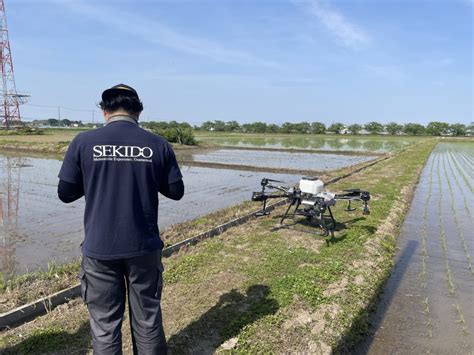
{"points": [[131, 104]]}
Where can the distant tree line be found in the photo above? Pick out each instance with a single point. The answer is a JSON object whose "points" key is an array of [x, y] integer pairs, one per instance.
{"points": [[54, 122], [392, 128]]}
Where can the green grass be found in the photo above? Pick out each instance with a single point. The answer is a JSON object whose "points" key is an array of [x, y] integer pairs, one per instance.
{"points": [[21, 289]]}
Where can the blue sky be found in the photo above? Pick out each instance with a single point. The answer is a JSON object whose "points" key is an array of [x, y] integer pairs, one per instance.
{"points": [[349, 61]]}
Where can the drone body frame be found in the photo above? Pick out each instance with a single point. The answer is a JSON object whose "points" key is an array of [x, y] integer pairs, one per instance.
{"points": [[314, 205]]}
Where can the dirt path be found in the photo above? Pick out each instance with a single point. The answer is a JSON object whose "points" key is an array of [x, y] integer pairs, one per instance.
{"points": [[428, 303]]}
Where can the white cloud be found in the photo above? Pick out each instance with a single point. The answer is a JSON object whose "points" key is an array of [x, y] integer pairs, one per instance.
{"points": [[346, 32], [158, 33]]}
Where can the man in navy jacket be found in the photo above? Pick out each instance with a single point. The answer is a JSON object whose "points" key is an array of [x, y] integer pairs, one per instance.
{"points": [[119, 169]]}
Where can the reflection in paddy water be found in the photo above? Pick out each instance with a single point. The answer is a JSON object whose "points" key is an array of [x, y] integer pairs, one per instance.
{"points": [[378, 144], [276, 159]]}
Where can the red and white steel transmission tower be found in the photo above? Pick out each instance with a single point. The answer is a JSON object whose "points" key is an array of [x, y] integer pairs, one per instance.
{"points": [[10, 100]]}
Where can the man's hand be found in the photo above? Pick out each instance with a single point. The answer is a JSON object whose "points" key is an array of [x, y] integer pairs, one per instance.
{"points": [[174, 191], [68, 192]]}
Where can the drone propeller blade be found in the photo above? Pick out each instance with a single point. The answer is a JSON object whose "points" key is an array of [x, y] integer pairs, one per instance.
{"points": [[271, 180], [352, 190]]}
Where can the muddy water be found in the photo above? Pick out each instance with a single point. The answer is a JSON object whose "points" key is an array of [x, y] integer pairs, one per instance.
{"points": [[428, 302], [276, 159], [36, 228]]}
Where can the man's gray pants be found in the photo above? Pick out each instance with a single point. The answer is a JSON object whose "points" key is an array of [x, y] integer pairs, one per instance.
{"points": [[104, 286]]}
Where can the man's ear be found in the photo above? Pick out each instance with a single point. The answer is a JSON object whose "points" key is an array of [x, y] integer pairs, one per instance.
{"points": [[106, 115]]}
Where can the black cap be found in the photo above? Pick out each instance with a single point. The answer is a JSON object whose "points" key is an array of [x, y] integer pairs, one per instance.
{"points": [[120, 89]]}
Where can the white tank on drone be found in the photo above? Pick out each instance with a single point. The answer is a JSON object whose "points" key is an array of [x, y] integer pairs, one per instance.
{"points": [[311, 185]]}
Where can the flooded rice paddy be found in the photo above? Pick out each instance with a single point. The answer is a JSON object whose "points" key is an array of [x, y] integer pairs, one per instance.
{"points": [[37, 228], [428, 302], [345, 143], [276, 159]]}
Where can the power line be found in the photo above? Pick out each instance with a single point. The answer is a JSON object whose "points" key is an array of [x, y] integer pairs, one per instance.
{"points": [[44, 106], [62, 108]]}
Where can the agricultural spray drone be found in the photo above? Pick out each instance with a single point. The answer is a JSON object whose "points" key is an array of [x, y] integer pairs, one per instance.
{"points": [[310, 201]]}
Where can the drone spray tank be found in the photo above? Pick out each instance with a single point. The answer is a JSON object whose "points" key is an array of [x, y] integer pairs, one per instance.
{"points": [[311, 185]]}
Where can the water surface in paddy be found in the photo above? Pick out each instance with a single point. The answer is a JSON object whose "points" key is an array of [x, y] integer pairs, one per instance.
{"points": [[38, 228], [276, 159], [343, 143], [427, 306]]}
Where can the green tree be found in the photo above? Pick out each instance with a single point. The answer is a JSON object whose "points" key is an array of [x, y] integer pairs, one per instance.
{"points": [[414, 129], [303, 127], [318, 128], [207, 126], [336, 128], [259, 127], [53, 122], [232, 126], [255, 127], [374, 127], [65, 122], [287, 127], [470, 129], [354, 128], [437, 128], [393, 128], [273, 128], [173, 132], [219, 126], [458, 129]]}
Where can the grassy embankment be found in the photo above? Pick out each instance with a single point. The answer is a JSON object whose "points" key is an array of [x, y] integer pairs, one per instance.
{"points": [[261, 288], [52, 141]]}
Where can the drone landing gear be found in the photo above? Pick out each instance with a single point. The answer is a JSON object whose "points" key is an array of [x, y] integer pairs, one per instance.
{"points": [[285, 215], [349, 207], [319, 218], [263, 211]]}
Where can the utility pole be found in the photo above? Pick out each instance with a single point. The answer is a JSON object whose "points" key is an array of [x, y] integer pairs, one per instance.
{"points": [[10, 100]]}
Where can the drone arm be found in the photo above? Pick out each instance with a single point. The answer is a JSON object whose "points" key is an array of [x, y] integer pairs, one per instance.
{"points": [[355, 195], [281, 188], [259, 196]]}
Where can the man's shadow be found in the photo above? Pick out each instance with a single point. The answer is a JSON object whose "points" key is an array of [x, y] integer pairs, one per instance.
{"points": [[311, 227], [53, 340], [223, 321]]}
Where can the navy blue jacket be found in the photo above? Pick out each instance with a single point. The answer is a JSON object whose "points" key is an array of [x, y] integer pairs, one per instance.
{"points": [[121, 168]]}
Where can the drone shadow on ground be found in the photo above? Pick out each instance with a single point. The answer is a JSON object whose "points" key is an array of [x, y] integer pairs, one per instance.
{"points": [[304, 225]]}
